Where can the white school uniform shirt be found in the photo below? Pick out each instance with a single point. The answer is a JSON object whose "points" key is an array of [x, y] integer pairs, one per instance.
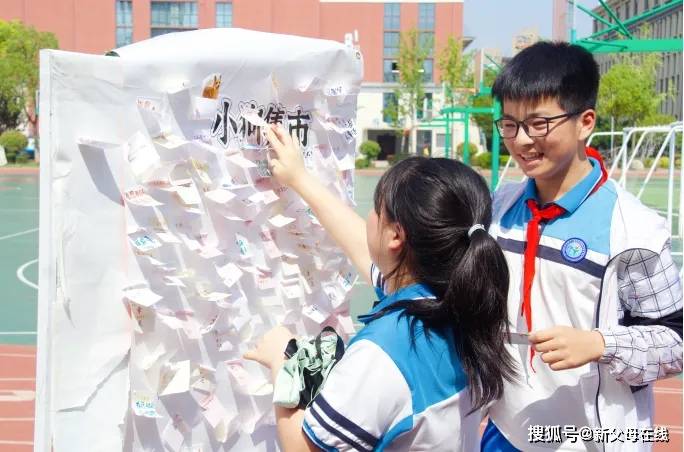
{"points": [[386, 394], [606, 265]]}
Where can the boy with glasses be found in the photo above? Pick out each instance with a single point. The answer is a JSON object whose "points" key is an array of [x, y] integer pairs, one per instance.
{"points": [[595, 301]]}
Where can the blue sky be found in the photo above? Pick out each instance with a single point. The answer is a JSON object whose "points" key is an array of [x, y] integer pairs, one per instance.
{"points": [[493, 23]]}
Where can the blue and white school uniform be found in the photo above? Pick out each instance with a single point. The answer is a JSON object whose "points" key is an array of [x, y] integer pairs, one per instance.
{"points": [[389, 394], [605, 264]]}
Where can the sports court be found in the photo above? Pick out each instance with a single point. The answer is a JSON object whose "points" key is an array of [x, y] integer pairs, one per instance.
{"points": [[19, 195]]}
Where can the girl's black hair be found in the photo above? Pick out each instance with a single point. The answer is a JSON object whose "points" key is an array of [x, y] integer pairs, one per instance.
{"points": [[436, 201]]}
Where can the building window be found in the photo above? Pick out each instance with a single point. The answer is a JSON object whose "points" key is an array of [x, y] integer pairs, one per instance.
{"points": [[647, 5], [427, 70], [426, 16], [427, 103], [426, 39], [389, 101], [168, 17], [390, 73], [224, 15], [426, 25], [392, 16], [124, 23], [390, 44], [391, 39]]}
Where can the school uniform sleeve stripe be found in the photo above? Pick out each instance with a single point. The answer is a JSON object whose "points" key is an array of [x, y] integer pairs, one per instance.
{"points": [[355, 409], [314, 439], [339, 434], [342, 421]]}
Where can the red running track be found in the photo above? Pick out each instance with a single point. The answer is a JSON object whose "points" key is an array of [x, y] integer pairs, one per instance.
{"points": [[18, 384]]}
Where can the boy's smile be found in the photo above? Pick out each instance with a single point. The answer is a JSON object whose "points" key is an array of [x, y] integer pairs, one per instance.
{"points": [[556, 160]]}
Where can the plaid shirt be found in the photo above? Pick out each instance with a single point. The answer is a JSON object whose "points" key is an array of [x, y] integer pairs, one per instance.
{"points": [[649, 288]]}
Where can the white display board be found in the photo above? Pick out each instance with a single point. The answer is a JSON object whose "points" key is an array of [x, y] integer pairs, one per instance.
{"points": [[166, 249]]}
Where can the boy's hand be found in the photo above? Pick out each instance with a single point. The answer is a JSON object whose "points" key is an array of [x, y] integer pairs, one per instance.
{"points": [[270, 351], [286, 162], [563, 347]]}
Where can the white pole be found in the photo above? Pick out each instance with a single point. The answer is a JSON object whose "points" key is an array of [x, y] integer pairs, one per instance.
{"points": [[612, 137], [670, 181]]}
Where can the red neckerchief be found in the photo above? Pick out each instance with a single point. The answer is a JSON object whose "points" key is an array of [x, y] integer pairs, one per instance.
{"points": [[539, 215]]}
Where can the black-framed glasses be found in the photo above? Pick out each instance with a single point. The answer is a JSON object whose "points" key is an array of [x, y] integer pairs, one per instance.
{"points": [[534, 127]]}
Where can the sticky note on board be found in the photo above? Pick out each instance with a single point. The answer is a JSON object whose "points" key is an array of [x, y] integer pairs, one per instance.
{"points": [[240, 161], [280, 220], [173, 438], [230, 273], [137, 196], [145, 243], [143, 296], [315, 313], [144, 404], [175, 378], [140, 154], [220, 196]]}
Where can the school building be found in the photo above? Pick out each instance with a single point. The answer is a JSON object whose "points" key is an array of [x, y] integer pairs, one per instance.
{"points": [[97, 26], [664, 25]]}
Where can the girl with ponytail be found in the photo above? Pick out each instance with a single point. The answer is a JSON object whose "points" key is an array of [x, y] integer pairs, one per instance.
{"points": [[431, 352]]}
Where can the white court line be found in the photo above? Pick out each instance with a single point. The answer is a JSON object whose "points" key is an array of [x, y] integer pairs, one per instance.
{"points": [[17, 234], [22, 278], [17, 443]]}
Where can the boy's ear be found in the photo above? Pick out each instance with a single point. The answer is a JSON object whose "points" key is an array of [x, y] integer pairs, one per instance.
{"points": [[586, 124]]}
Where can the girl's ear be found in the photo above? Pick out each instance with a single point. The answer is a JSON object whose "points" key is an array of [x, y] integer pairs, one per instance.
{"points": [[397, 237]]}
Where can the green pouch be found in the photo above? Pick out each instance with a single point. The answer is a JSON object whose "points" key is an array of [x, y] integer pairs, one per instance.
{"points": [[306, 369]]}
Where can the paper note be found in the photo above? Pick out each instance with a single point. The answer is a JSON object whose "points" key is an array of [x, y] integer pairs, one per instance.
{"points": [[145, 243], [519, 338], [280, 220], [346, 324], [175, 378], [290, 269], [143, 296], [144, 404], [291, 291], [315, 313], [220, 195], [170, 142], [203, 108], [188, 195], [173, 438], [243, 245], [240, 161], [168, 237], [140, 154], [137, 196], [230, 273]]}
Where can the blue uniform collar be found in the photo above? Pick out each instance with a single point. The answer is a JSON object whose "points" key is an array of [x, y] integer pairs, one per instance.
{"points": [[411, 292], [577, 194]]}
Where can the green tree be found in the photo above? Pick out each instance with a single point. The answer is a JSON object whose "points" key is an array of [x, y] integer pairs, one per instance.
{"points": [[485, 121], [628, 92], [19, 48], [413, 51], [455, 71]]}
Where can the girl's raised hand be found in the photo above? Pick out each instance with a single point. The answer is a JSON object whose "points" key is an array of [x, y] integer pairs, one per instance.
{"points": [[286, 162]]}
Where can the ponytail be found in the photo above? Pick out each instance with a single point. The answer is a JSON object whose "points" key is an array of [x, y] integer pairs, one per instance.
{"points": [[438, 202], [476, 298]]}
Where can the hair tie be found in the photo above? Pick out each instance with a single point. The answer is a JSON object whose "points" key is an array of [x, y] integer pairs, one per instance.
{"points": [[474, 228]]}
